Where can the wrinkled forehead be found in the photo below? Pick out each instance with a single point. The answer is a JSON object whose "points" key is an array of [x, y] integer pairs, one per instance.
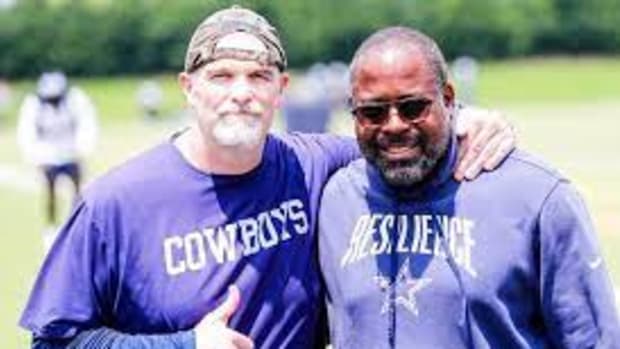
{"points": [[389, 61], [232, 66], [393, 70]]}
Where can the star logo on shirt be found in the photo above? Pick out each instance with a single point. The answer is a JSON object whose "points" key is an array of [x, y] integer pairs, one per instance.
{"points": [[402, 291], [595, 263]]}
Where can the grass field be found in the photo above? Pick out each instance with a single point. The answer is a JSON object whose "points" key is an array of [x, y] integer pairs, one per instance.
{"points": [[567, 110]]}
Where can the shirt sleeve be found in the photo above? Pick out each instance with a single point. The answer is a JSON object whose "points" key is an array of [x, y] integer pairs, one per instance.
{"points": [[27, 132], [105, 338], [577, 297], [333, 152], [75, 284]]}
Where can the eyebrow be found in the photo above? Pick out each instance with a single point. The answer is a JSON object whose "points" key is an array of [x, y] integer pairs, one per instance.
{"points": [[264, 69], [224, 69]]}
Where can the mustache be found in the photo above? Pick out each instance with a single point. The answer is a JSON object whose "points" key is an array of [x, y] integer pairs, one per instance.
{"points": [[246, 111], [410, 139], [251, 109]]}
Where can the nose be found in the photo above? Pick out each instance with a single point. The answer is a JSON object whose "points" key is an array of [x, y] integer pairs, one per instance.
{"points": [[394, 123], [241, 91]]}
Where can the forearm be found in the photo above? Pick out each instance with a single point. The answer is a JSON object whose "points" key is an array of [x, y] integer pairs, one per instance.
{"points": [[110, 339]]}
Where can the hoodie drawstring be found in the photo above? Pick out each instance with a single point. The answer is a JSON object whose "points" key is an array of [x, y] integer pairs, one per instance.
{"points": [[464, 319]]}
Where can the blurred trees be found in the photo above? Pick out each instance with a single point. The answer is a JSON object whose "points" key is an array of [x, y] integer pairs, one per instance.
{"points": [[90, 37]]}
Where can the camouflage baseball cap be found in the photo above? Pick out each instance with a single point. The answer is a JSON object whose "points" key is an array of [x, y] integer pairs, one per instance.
{"points": [[203, 47]]}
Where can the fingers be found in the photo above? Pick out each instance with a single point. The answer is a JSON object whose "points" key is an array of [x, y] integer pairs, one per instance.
{"points": [[465, 120], [472, 154], [468, 130], [227, 308], [463, 125], [481, 160], [489, 157], [221, 337], [486, 138], [240, 341], [498, 146], [504, 147], [213, 332], [466, 123], [459, 173]]}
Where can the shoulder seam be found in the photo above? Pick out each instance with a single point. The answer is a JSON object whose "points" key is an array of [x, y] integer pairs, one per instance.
{"points": [[558, 182], [551, 172]]}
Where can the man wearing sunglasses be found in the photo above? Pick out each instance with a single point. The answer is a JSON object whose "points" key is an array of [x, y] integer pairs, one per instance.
{"points": [[148, 257], [414, 259]]}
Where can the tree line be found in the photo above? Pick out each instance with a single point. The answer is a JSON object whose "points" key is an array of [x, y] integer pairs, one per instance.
{"points": [[145, 36]]}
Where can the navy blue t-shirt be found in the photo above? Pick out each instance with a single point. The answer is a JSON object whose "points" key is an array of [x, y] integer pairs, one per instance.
{"points": [[153, 246]]}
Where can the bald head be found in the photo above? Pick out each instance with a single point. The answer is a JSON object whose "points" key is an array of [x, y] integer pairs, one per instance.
{"points": [[392, 42]]}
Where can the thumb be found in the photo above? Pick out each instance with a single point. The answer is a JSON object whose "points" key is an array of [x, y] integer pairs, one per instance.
{"points": [[228, 307]]}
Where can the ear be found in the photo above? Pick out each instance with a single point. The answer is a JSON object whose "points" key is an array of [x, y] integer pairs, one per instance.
{"points": [[283, 82], [448, 95], [185, 82]]}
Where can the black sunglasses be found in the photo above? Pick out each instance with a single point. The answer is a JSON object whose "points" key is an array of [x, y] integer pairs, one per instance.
{"points": [[410, 109]]}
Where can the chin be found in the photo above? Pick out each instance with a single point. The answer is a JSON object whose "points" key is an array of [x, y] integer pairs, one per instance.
{"points": [[239, 140], [403, 177], [405, 172], [238, 135]]}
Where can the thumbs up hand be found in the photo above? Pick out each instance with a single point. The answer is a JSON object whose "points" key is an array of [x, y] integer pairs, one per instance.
{"points": [[213, 332]]}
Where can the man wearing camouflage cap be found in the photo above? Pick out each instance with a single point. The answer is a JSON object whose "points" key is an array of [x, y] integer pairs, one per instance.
{"points": [[206, 240]]}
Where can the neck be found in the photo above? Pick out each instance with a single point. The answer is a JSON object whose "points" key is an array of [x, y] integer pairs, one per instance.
{"points": [[210, 157]]}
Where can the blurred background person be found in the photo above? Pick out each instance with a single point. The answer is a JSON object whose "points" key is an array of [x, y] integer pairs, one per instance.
{"points": [[57, 128], [150, 98], [336, 79], [465, 72], [315, 97]]}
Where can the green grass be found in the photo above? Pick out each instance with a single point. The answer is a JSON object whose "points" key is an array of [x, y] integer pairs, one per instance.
{"points": [[581, 140], [566, 110], [20, 256], [550, 80], [115, 98]]}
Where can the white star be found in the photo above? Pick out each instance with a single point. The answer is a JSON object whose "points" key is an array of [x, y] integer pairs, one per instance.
{"points": [[404, 287]]}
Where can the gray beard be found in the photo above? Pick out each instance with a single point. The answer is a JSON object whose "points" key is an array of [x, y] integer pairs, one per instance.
{"points": [[237, 131], [408, 172]]}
